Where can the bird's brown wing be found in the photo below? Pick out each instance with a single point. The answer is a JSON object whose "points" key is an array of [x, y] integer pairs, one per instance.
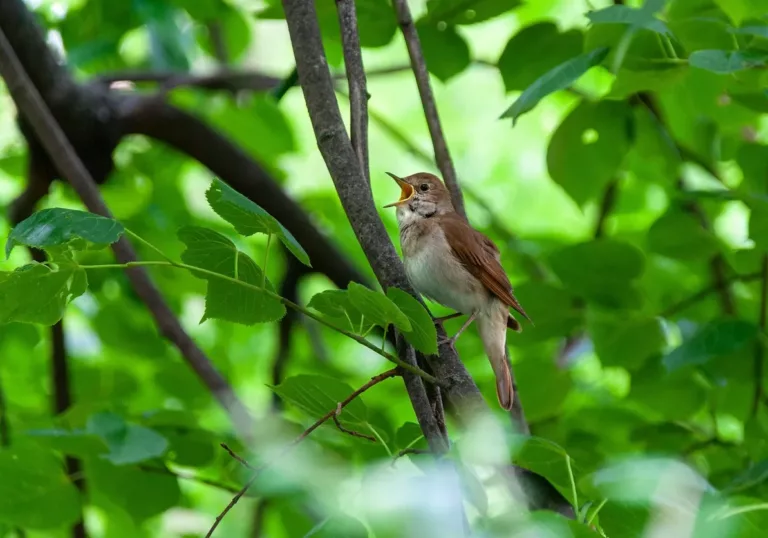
{"points": [[480, 257]]}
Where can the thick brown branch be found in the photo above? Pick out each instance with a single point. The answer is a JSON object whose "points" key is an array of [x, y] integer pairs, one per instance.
{"points": [[419, 66], [358, 92], [319, 422], [69, 165], [225, 80]]}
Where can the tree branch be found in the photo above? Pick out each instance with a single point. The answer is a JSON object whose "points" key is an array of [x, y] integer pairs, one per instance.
{"points": [[419, 66], [319, 422], [606, 206], [58, 147], [358, 93]]}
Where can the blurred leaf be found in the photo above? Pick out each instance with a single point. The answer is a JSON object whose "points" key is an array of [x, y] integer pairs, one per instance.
{"points": [[33, 478], [377, 307], [667, 395], [248, 218], [317, 395], [755, 31], [339, 526], [621, 14], [473, 488], [168, 48], [409, 435], [36, 293], [467, 11], [602, 271], [678, 234], [724, 62], [632, 48], [625, 341], [72, 442], [553, 308], [520, 69], [226, 300], [594, 137], [736, 10], [758, 224], [234, 28], [629, 82], [756, 474], [64, 227], [757, 101], [423, 335], [543, 386], [445, 51], [717, 338], [558, 78], [547, 459], [547, 524], [140, 494], [337, 307], [128, 443]]}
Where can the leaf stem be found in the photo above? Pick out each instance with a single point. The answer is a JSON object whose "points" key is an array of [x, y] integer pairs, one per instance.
{"points": [[148, 245], [266, 261], [597, 510], [573, 483], [290, 304]]}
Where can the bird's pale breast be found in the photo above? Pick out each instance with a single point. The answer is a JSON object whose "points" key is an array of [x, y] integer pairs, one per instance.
{"points": [[435, 272]]}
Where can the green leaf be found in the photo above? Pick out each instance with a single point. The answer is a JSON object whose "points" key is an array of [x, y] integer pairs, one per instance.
{"points": [[410, 435], [547, 459], [36, 293], [727, 61], [445, 50], [602, 271], [72, 442], [758, 224], [337, 308], [317, 395], [553, 308], [423, 335], [35, 493], [621, 14], [467, 11], [717, 338], [234, 29], [754, 31], [673, 396], [64, 227], [544, 386], [754, 475], [548, 524], [377, 307], [519, 69], [595, 136], [625, 341], [128, 443], [248, 218], [677, 234], [629, 82], [227, 300], [553, 80]]}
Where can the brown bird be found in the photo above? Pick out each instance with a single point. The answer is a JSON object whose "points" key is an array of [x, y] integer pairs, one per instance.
{"points": [[453, 264]]}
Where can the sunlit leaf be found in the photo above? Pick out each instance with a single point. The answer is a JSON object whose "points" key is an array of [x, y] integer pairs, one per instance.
{"points": [[553, 80], [33, 477], [56, 227], [248, 218], [226, 299], [715, 339], [37, 293], [377, 307], [423, 335]]}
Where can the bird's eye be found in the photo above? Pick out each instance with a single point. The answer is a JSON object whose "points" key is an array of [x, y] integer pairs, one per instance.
{"points": [[424, 187]]}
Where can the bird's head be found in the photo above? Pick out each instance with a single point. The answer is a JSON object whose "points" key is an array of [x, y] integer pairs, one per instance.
{"points": [[422, 194]]}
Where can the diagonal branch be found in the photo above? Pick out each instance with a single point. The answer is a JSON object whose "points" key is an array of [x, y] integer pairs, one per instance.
{"points": [[66, 160], [358, 93], [419, 66], [375, 380]]}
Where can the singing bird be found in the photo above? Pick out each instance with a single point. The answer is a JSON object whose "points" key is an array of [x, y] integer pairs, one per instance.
{"points": [[458, 267]]}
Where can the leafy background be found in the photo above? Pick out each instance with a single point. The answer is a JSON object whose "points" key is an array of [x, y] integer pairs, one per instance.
{"points": [[630, 208]]}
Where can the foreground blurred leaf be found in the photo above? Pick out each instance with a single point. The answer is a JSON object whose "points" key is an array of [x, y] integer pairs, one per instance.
{"points": [[594, 137], [226, 300], [423, 335], [317, 395], [34, 491], [445, 51], [602, 270], [520, 69], [467, 11], [621, 14], [553, 80], [56, 227], [36, 293], [377, 307], [546, 524], [715, 339], [128, 443], [724, 61], [248, 218]]}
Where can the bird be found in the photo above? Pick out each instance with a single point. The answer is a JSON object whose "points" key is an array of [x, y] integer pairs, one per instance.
{"points": [[451, 263]]}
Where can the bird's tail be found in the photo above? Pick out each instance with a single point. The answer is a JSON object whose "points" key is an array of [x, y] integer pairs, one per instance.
{"points": [[493, 332]]}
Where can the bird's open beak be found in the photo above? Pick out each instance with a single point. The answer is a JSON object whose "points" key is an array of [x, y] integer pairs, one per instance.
{"points": [[406, 191]]}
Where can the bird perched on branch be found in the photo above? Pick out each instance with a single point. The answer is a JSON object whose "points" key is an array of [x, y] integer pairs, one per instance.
{"points": [[455, 265]]}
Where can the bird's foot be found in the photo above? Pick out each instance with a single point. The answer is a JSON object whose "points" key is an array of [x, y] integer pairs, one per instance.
{"points": [[447, 340]]}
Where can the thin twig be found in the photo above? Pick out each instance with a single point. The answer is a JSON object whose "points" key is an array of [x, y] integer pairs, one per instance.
{"points": [[704, 293], [419, 66], [71, 167], [347, 431], [358, 93], [190, 477], [760, 346], [407, 451], [237, 457], [374, 381]]}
